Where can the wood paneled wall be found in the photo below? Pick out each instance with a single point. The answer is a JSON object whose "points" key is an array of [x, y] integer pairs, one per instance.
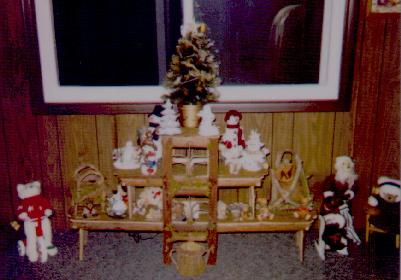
{"points": [[49, 148]]}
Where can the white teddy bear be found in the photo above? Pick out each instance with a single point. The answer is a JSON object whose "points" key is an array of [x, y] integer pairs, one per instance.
{"points": [[150, 196], [34, 210]]}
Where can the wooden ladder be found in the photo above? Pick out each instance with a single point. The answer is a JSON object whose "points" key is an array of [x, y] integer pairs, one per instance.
{"points": [[180, 185]]}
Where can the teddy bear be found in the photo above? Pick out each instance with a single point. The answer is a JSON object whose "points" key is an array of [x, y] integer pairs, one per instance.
{"points": [[34, 211], [263, 210], [150, 201], [384, 205]]}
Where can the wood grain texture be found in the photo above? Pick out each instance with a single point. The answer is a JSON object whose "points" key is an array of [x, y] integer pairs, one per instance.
{"points": [[107, 141], [52, 185], [127, 127], [263, 123], [6, 209], [387, 130], [365, 109], [78, 145], [313, 141], [342, 137]]}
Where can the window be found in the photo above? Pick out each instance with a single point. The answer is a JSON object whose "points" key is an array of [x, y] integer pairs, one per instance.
{"points": [[275, 55]]}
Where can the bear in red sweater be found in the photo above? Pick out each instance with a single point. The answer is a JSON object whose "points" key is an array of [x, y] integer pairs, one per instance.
{"points": [[34, 210]]}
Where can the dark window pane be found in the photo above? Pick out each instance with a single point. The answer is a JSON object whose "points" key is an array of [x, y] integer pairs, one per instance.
{"points": [[106, 42], [265, 41]]}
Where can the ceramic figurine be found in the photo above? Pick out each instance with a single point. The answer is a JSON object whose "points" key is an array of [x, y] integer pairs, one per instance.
{"points": [[117, 206], [207, 126], [169, 124], [237, 210], [221, 210], [149, 160], [192, 209], [34, 211], [154, 120], [263, 210], [255, 153], [177, 211], [127, 157], [89, 210]]}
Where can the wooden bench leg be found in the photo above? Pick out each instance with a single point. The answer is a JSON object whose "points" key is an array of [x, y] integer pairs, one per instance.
{"points": [[83, 239], [299, 241], [367, 229]]}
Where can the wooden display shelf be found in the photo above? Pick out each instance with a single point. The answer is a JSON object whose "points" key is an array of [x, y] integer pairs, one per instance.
{"points": [[276, 225], [200, 181], [281, 224], [224, 179]]}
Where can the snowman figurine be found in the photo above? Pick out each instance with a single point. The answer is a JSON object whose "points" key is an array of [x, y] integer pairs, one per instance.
{"points": [[232, 142], [154, 120]]}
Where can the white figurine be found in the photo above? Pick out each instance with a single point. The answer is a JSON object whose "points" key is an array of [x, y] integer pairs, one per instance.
{"points": [[127, 157], [117, 205], [192, 209], [207, 126], [254, 156], [221, 210], [169, 124]]}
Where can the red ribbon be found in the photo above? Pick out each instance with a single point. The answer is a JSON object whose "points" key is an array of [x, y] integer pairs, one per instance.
{"points": [[239, 133]]}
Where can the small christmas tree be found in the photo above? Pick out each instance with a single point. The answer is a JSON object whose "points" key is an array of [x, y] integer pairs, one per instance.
{"points": [[169, 124], [194, 69]]}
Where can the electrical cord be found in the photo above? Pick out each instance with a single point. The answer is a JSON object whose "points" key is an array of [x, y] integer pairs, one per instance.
{"points": [[138, 237]]}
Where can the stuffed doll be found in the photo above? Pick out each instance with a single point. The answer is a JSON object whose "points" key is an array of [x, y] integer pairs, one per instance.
{"points": [[344, 183], [149, 197], [332, 235], [336, 223], [232, 119], [384, 205], [34, 210], [232, 142]]}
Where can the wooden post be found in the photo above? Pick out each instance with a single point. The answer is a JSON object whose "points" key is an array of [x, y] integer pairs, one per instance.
{"points": [[82, 242], [167, 219], [213, 172], [299, 241]]}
